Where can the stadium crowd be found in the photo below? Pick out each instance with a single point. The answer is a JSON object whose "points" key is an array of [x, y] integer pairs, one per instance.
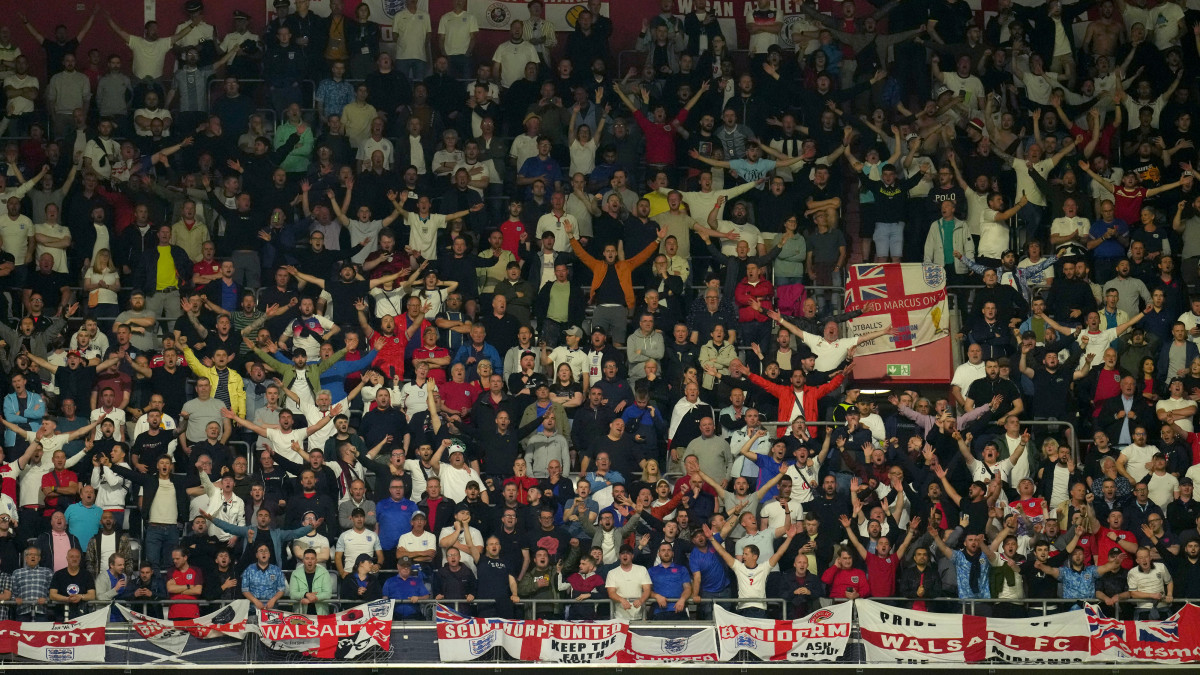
{"points": [[404, 320]]}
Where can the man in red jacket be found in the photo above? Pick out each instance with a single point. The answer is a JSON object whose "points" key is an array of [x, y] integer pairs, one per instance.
{"points": [[754, 296], [796, 392]]}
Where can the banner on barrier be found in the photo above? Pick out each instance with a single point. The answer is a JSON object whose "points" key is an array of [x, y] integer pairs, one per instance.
{"points": [[1172, 640], [172, 635], [700, 646], [346, 635], [74, 641], [891, 634], [820, 636], [463, 638]]}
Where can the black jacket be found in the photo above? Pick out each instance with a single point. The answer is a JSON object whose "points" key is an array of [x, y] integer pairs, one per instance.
{"points": [[576, 304], [149, 483], [145, 273], [45, 544]]}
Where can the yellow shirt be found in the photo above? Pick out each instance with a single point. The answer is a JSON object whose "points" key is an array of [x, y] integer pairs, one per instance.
{"points": [[167, 274], [658, 203], [356, 119]]}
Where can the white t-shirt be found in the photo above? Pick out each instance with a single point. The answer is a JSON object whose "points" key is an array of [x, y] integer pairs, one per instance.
{"points": [[117, 415], [353, 544], [148, 57], [423, 233], [14, 236], [805, 480], [773, 512], [413, 399], [281, 443], [1097, 344], [367, 148], [577, 359], [411, 31], [751, 583], [628, 584], [1169, 404], [966, 374], [19, 105], [414, 542], [454, 481], [1138, 457], [360, 231], [970, 85], [1025, 184], [56, 230], [1063, 226], [583, 156], [476, 540], [829, 354], [553, 223], [158, 114], [1162, 489], [512, 58], [1153, 581], [457, 29], [993, 235], [748, 233]]}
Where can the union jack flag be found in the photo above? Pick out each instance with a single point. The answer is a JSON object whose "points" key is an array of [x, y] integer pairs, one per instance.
{"points": [[1158, 631], [1102, 627], [867, 283], [443, 614]]}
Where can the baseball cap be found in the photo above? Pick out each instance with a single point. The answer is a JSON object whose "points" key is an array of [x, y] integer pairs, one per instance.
{"points": [[405, 561], [358, 512], [574, 330], [1185, 481]]}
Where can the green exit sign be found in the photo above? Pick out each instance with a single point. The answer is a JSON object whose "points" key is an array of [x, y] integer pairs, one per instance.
{"points": [[899, 370]]}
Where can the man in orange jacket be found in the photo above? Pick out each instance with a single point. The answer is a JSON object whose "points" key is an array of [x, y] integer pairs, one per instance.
{"points": [[612, 284]]}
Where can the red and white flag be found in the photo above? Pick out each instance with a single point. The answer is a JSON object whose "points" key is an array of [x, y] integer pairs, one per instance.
{"points": [[697, 647], [78, 640], [1175, 639], [172, 635], [894, 635], [820, 636], [343, 636], [462, 638], [910, 297]]}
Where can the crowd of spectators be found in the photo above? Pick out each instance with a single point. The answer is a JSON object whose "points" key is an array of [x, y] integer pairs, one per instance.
{"points": [[400, 320]]}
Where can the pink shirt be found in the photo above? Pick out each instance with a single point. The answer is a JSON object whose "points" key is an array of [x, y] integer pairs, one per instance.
{"points": [[62, 544]]}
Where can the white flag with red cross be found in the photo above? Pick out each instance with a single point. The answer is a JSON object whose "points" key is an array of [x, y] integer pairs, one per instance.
{"points": [[910, 297]]}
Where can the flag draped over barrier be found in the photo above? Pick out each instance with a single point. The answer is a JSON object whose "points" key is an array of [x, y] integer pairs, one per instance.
{"points": [[74, 641], [820, 636], [894, 635], [172, 635], [888, 634], [345, 636], [1175, 639]]}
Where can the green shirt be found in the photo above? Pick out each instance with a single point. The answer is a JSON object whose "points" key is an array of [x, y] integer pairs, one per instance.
{"points": [[560, 294], [947, 241]]}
